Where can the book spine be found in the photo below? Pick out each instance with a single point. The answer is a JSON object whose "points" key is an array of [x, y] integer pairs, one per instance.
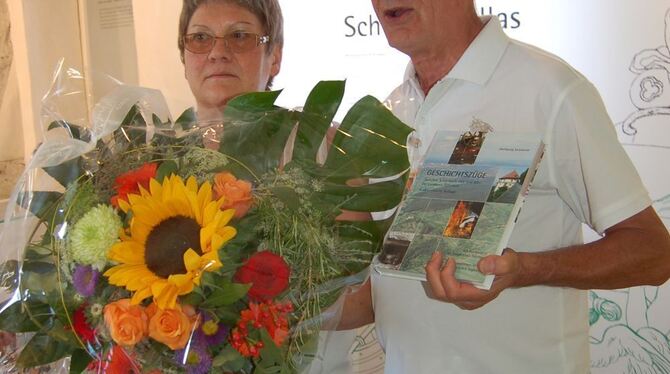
{"points": [[516, 210]]}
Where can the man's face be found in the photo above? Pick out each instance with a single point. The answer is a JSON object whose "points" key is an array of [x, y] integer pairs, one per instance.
{"points": [[413, 25]]}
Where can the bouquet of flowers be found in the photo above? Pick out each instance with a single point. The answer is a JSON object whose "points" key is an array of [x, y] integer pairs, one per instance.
{"points": [[134, 248]]}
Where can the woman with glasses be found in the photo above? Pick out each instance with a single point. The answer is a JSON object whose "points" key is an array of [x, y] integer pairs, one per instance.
{"points": [[229, 48]]}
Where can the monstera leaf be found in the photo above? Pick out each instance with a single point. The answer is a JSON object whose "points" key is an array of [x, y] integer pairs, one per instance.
{"points": [[368, 145]]}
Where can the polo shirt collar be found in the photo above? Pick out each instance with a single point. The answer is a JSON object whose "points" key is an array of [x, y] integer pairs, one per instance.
{"points": [[480, 59]]}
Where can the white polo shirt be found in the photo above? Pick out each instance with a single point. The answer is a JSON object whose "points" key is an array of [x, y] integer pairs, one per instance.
{"points": [[585, 176]]}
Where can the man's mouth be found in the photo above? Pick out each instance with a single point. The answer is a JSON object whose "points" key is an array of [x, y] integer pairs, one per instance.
{"points": [[396, 13]]}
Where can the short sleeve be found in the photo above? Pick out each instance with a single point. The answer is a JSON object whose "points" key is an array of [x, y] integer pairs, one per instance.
{"points": [[588, 165]]}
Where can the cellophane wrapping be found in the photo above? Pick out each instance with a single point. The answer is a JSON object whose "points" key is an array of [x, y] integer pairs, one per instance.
{"points": [[138, 243]]}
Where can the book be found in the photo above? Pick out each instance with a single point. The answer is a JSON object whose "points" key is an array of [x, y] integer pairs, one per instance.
{"points": [[464, 202]]}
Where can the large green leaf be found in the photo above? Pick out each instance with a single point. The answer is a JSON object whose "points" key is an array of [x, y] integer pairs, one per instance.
{"points": [[26, 316], [42, 204], [133, 127], [187, 119], [66, 172], [369, 143], [256, 133], [317, 116], [75, 131], [43, 349], [79, 362], [365, 198]]}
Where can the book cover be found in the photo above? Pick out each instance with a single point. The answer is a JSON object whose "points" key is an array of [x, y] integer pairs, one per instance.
{"points": [[464, 202]]}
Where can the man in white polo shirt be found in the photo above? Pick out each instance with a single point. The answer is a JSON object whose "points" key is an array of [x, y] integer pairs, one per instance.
{"points": [[534, 318]]}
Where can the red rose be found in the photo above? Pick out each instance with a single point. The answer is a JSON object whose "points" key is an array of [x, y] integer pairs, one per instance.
{"points": [[130, 182], [81, 326], [267, 272]]}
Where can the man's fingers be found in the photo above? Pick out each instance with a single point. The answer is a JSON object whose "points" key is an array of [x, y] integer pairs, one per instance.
{"points": [[433, 268], [448, 278], [496, 265], [487, 265]]}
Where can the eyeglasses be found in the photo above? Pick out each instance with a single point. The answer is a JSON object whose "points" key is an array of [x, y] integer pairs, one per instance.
{"points": [[202, 42]]}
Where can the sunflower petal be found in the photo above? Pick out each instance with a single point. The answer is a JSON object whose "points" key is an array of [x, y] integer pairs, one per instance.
{"points": [[210, 261], [192, 261], [165, 294], [140, 231], [209, 213], [182, 282], [227, 233], [155, 188], [226, 216], [192, 184], [146, 215], [127, 252], [140, 295], [123, 204]]}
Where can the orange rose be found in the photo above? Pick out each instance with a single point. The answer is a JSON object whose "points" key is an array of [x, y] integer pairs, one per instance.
{"points": [[127, 323], [172, 327], [236, 191]]}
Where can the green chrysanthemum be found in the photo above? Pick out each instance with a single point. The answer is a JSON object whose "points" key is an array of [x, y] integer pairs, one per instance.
{"points": [[93, 235]]}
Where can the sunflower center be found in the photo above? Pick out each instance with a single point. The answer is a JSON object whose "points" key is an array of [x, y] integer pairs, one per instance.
{"points": [[167, 243]]}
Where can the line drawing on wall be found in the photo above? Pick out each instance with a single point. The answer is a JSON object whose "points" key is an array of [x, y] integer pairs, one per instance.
{"points": [[630, 328], [650, 90]]}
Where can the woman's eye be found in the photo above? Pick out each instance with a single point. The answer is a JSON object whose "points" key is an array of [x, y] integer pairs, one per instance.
{"points": [[239, 35], [201, 36]]}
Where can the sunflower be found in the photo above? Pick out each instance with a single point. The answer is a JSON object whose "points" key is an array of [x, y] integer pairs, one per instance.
{"points": [[174, 236]]}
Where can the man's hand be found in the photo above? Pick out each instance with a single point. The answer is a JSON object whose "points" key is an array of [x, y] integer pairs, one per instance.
{"points": [[445, 287]]}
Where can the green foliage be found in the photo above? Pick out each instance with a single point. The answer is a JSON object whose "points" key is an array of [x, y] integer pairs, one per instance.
{"points": [[271, 358], [225, 293], [45, 348], [165, 169], [66, 172], [369, 143], [317, 116], [79, 362], [42, 204], [26, 316], [74, 131], [231, 360], [187, 119]]}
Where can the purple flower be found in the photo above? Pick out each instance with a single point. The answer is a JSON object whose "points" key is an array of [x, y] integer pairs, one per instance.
{"points": [[194, 357], [214, 333], [85, 279]]}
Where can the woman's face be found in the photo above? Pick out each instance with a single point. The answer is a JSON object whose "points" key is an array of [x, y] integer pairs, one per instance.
{"points": [[221, 74]]}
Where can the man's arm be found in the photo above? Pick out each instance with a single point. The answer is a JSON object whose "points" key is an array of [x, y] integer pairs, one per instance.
{"points": [[634, 252], [357, 310]]}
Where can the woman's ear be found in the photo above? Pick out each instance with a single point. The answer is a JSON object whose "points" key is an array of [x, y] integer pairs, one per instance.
{"points": [[275, 56]]}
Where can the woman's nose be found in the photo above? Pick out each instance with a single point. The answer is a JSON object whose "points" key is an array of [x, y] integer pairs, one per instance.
{"points": [[220, 50]]}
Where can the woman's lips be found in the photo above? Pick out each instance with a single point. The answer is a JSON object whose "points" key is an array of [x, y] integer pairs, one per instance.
{"points": [[221, 76]]}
